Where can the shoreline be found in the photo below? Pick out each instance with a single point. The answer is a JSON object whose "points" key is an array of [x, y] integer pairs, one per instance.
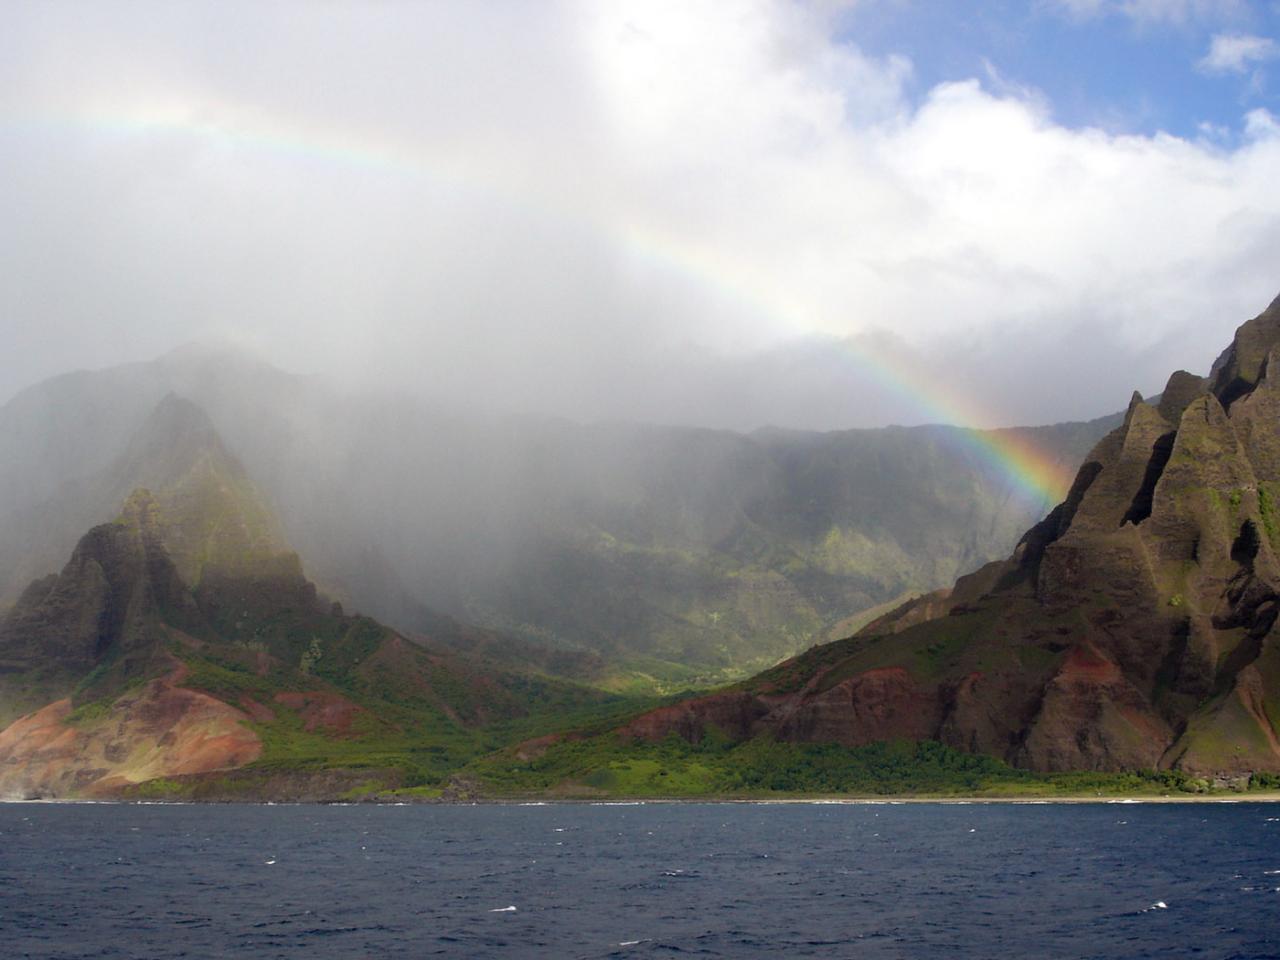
{"points": [[1270, 796]]}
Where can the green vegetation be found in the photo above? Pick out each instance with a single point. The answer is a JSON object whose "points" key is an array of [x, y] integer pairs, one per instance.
{"points": [[88, 710], [1267, 507], [91, 712], [609, 766], [407, 738], [161, 788]]}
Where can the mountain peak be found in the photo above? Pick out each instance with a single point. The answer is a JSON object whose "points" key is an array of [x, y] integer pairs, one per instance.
{"points": [[211, 350], [1182, 388], [195, 494], [104, 605], [181, 414], [140, 510], [173, 436], [1238, 370]]}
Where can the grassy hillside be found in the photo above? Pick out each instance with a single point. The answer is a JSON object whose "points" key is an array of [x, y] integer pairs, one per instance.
{"points": [[717, 766]]}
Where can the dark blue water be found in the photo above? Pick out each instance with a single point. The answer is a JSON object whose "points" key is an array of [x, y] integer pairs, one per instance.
{"points": [[708, 880]]}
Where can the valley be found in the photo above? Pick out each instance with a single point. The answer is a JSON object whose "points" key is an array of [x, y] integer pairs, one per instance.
{"points": [[1125, 644]]}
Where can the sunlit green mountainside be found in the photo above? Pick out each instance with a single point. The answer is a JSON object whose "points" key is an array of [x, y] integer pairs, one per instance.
{"points": [[622, 554], [182, 639], [1133, 631]]}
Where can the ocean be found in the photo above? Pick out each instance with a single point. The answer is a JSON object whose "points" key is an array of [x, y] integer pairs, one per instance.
{"points": [[873, 880]]}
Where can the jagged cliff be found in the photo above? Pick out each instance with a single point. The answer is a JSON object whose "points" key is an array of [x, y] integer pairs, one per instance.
{"points": [[1134, 627]]}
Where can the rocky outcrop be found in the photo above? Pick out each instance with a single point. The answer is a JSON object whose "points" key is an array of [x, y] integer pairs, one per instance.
{"points": [[878, 704], [1092, 717], [106, 603], [737, 714], [159, 730]]}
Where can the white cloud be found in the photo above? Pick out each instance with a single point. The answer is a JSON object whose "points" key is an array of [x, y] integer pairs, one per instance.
{"points": [[1261, 124], [1080, 9], [573, 208], [1182, 11], [1237, 53], [1157, 11]]}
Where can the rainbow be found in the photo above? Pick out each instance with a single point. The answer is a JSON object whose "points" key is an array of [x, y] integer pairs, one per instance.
{"points": [[1032, 472]]}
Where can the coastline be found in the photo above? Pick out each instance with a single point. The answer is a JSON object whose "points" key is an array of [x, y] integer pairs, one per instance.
{"points": [[1268, 796]]}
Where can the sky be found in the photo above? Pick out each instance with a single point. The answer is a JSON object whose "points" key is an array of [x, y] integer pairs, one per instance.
{"points": [[808, 214]]}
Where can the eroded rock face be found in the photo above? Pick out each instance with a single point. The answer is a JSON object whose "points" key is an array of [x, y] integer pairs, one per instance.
{"points": [[104, 598], [1135, 627], [161, 730], [1243, 364], [1094, 718], [878, 704], [875, 705], [739, 715], [323, 711]]}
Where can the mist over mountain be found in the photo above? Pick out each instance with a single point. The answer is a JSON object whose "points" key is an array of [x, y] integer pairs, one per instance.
{"points": [[673, 553], [583, 210], [182, 638]]}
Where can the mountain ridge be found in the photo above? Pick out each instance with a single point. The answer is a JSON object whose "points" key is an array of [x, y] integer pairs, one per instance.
{"points": [[1133, 628], [676, 556]]}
